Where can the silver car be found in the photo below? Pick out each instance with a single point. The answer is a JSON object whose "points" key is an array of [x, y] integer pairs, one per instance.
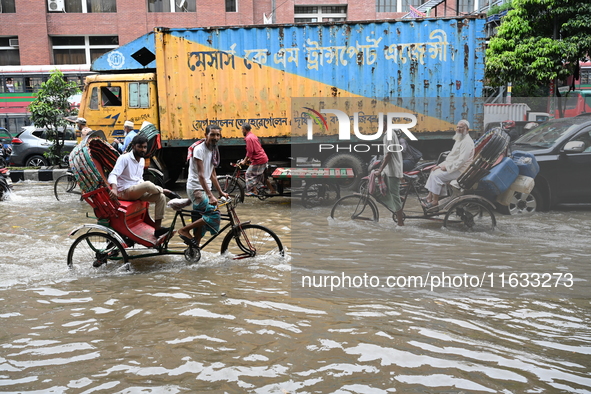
{"points": [[30, 144]]}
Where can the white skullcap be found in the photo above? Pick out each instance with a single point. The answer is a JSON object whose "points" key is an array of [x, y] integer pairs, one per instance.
{"points": [[128, 123], [80, 120], [464, 121]]}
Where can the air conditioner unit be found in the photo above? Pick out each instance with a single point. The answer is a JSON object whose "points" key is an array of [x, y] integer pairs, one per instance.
{"points": [[13, 42], [55, 5]]}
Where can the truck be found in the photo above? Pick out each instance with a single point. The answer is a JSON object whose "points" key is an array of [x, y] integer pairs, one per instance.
{"points": [[424, 74]]}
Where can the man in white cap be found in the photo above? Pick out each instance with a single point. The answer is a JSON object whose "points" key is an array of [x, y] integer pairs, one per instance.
{"points": [[129, 134], [83, 129], [455, 164]]}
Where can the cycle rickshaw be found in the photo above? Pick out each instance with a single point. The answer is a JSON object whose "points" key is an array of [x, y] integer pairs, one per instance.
{"points": [[122, 225], [465, 208]]}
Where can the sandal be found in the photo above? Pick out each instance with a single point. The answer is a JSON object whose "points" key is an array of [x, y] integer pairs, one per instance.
{"points": [[431, 207], [251, 194], [191, 242]]}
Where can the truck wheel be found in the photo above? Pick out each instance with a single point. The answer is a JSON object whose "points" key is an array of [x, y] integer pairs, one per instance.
{"points": [[524, 203], [347, 160]]}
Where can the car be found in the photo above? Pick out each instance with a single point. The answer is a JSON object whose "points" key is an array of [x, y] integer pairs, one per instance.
{"points": [[31, 143], [562, 148]]}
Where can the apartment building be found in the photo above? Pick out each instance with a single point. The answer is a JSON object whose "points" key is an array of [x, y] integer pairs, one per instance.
{"points": [[57, 32]]}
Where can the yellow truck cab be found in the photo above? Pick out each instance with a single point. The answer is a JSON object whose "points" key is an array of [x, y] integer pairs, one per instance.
{"points": [[111, 99]]}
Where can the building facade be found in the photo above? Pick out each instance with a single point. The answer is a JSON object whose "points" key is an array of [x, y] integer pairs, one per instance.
{"points": [[58, 32]]}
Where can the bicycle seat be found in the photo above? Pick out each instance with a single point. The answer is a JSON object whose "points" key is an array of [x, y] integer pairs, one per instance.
{"points": [[410, 177]]}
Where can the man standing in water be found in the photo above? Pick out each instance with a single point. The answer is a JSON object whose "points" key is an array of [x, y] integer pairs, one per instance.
{"points": [[391, 171]]}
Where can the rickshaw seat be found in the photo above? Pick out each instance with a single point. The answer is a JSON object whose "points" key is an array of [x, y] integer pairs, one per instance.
{"points": [[129, 218]]}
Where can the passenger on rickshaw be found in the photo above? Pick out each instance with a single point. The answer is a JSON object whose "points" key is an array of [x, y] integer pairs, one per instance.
{"points": [[203, 160], [126, 182], [257, 160], [455, 164]]}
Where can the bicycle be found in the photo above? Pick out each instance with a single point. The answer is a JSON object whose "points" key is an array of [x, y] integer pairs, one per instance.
{"points": [[66, 188], [461, 211], [235, 184], [126, 223]]}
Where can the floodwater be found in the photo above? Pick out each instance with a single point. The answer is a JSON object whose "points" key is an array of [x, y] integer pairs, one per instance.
{"points": [[236, 326]]}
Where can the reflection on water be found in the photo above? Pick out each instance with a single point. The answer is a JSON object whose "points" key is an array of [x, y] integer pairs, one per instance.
{"points": [[232, 326]]}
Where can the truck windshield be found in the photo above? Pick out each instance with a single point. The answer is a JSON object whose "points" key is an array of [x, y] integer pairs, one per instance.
{"points": [[545, 135]]}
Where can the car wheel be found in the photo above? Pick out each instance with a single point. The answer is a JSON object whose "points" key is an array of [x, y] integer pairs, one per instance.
{"points": [[524, 203], [36, 161]]}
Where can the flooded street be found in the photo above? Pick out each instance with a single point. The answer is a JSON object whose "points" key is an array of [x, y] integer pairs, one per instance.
{"points": [[239, 326]]}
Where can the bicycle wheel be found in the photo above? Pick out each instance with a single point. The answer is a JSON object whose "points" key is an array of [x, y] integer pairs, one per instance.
{"points": [[65, 188], [250, 241], [470, 215], [316, 194], [232, 186], [95, 250], [355, 207]]}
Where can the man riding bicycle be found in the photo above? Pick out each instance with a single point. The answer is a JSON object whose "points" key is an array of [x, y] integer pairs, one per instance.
{"points": [[257, 158]]}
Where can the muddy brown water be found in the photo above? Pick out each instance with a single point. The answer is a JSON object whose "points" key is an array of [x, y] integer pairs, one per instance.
{"points": [[236, 326]]}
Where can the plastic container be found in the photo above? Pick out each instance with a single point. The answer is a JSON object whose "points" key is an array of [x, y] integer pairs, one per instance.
{"points": [[527, 163], [500, 177], [522, 184]]}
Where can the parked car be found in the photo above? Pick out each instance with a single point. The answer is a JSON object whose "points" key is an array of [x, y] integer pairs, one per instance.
{"points": [[30, 144], [562, 148]]}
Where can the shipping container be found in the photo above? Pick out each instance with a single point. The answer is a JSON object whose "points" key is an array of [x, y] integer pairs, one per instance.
{"points": [[276, 76]]}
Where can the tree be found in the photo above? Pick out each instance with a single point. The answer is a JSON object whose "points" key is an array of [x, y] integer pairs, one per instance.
{"points": [[49, 110], [540, 41]]}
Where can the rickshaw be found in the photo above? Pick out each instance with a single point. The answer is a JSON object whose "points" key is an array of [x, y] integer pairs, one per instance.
{"points": [[123, 224], [466, 207]]}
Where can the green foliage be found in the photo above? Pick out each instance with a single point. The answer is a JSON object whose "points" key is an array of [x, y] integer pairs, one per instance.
{"points": [[539, 41], [49, 109], [497, 9]]}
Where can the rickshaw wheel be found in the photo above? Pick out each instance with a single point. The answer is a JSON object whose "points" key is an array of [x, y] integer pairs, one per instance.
{"points": [[95, 250], [192, 255], [470, 215]]}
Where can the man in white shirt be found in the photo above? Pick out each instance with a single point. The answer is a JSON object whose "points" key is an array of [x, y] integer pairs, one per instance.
{"points": [[126, 182], [455, 164], [203, 160]]}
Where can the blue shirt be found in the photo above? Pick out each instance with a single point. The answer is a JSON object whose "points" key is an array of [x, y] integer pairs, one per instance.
{"points": [[128, 139]]}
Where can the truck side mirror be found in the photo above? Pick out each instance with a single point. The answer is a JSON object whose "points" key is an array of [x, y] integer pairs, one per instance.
{"points": [[574, 147]]}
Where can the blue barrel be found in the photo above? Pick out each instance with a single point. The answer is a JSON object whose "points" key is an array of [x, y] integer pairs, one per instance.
{"points": [[527, 163]]}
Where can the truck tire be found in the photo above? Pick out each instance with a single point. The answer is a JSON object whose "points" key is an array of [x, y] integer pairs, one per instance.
{"points": [[347, 160]]}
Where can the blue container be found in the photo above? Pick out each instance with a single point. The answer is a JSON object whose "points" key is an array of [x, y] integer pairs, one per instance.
{"points": [[527, 163], [500, 177]]}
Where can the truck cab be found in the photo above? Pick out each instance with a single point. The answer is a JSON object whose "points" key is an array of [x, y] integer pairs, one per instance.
{"points": [[109, 100]]}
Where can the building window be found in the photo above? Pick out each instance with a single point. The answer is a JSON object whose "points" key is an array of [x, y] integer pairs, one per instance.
{"points": [[7, 7], [386, 5], [331, 13], [81, 49], [172, 5], [9, 54], [231, 6], [82, 6]]}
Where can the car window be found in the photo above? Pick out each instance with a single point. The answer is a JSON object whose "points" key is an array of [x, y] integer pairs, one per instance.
{"points": [[39, 133], [586, 138], [545, 135]]}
